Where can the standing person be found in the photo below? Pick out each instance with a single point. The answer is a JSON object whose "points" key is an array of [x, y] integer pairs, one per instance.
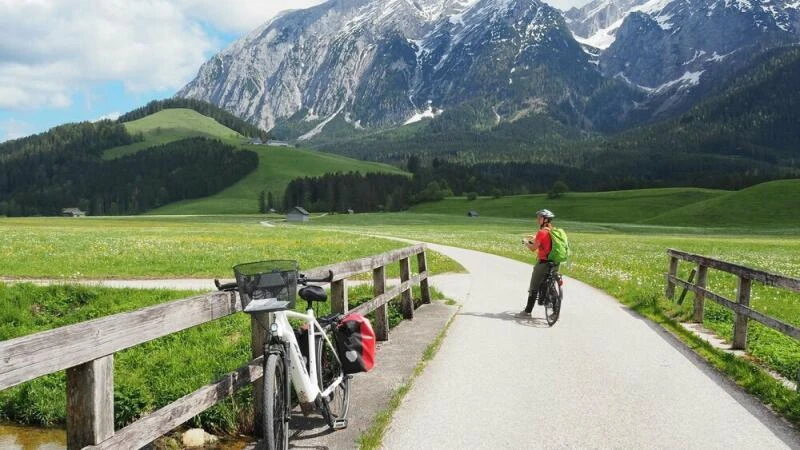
{"points": [[541, 244]]}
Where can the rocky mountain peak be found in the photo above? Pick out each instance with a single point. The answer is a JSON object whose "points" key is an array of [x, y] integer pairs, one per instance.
{"points": [[381, 62]]}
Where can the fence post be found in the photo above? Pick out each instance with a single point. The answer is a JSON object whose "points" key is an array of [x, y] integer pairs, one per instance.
{"points": [[740, 322], [683, 292], [699, 297], [382, 312], [259, 324], [339, 301], [422, 265], [90, 402], [407, 300], [673, 271]]}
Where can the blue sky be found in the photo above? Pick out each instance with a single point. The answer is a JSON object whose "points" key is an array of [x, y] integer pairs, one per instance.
{"points": [[69, 61]]}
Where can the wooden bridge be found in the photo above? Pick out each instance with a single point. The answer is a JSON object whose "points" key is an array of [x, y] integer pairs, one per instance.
{"points": [[86, 351]]}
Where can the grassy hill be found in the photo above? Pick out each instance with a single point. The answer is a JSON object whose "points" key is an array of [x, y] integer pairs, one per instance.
{"points": [[277, 166], [607, 207], [171, 125], [772, 204]]}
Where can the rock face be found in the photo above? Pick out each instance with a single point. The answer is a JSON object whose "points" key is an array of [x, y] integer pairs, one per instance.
{"points": [[667, 48], [380, 62], [376, 63]]}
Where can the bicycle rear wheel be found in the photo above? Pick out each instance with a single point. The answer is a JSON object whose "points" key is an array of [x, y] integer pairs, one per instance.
{"points": [[552, 301], [276, 404], [334, 406]]}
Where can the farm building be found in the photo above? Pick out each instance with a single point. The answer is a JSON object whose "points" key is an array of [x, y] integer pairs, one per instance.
{"points": [[72, 212], [297, 214]]}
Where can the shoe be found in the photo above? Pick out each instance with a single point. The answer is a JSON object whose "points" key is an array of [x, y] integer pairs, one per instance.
{"points": [[523, 313]]}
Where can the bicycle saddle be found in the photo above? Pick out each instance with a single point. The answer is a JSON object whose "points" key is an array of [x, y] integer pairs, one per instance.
{"points": [[313, 294]]}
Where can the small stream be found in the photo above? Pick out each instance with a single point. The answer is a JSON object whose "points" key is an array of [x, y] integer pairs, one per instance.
{"points": [[14, 437]]}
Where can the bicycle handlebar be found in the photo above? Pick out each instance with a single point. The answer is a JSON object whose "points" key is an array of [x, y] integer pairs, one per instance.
{"points": [[225, 286], [302, 279]]}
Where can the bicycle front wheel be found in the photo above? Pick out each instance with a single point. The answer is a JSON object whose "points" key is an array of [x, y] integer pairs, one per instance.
{"points": [[276, 404], [329, 369], [552, 301]]}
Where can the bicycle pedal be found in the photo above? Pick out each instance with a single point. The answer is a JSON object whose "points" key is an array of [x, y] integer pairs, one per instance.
{"points": [[339, 424]]}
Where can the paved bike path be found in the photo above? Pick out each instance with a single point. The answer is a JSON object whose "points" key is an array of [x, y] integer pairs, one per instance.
{"points": [[602, 377]]}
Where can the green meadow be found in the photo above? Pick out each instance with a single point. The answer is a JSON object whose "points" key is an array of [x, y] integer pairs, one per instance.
{"points": [[627, 260], [769, 205]]}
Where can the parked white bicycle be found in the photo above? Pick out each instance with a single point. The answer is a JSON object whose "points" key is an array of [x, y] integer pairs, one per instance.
{"points": [[314, 370]]}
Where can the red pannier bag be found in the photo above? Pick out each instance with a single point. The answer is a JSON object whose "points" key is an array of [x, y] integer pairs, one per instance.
{"points": [[355, 343]]}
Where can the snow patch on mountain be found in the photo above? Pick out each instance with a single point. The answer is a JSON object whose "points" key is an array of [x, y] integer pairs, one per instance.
{"points": [[318, 129], [688, 80], [604, 37], [429, 113]]}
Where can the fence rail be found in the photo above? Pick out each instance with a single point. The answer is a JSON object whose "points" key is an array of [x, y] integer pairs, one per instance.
{"points": [[740, 306], [86, 350]]}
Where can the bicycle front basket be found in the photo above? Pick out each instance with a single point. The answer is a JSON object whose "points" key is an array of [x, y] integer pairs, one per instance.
{"points": [[267, 285]]}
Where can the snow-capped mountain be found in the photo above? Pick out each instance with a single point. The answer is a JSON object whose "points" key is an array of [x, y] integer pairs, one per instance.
{"points": [[380, 63], [662, 45], [385, 62]]}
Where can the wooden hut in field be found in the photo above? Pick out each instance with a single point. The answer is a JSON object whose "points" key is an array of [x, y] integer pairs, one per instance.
{"points": [[297, 214], [72, 212]]}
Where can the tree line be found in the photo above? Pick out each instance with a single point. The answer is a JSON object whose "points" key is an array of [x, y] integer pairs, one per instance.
{"points": [[342, 191], [44, 183], [90, 138], [388, 192]]}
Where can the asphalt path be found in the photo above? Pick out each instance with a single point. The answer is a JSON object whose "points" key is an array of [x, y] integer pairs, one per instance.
{"points": [[601, 377]]}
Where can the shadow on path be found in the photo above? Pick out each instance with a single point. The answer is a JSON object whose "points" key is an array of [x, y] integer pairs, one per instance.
{"points": [[508, 316]]}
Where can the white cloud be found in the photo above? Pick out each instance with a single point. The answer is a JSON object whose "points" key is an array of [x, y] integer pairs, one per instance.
{"points": [[239, 16], [564, 5], [14, 129], [110, 116], [51, 48]]}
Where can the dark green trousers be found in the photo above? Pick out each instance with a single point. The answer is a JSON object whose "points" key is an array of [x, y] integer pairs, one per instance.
{"points": [[539, 272]]}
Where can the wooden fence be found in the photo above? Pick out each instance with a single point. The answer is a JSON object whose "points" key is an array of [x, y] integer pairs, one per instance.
{"points": [[86, 351], [741, 306]]}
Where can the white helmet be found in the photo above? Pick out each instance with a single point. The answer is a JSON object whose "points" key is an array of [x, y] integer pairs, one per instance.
{"points": [[546, 213]]}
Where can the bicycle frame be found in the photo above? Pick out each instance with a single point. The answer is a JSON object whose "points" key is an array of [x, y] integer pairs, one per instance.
{"points": [[304, 381]]}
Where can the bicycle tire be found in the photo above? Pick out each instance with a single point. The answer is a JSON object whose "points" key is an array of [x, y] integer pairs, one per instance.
{"points": [[276, 403], [336, 405], [552, 301]]}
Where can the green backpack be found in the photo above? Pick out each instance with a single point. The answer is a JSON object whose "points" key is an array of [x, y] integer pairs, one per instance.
{"points": [[559, 252]]}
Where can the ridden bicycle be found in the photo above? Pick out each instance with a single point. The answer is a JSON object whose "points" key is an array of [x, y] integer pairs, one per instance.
{"points": [[316, 373], [551, 293]]}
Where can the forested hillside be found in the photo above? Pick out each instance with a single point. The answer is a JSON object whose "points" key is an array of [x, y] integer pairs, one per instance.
{"points": [[747, 133], [89, 138], [43, 183]]}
